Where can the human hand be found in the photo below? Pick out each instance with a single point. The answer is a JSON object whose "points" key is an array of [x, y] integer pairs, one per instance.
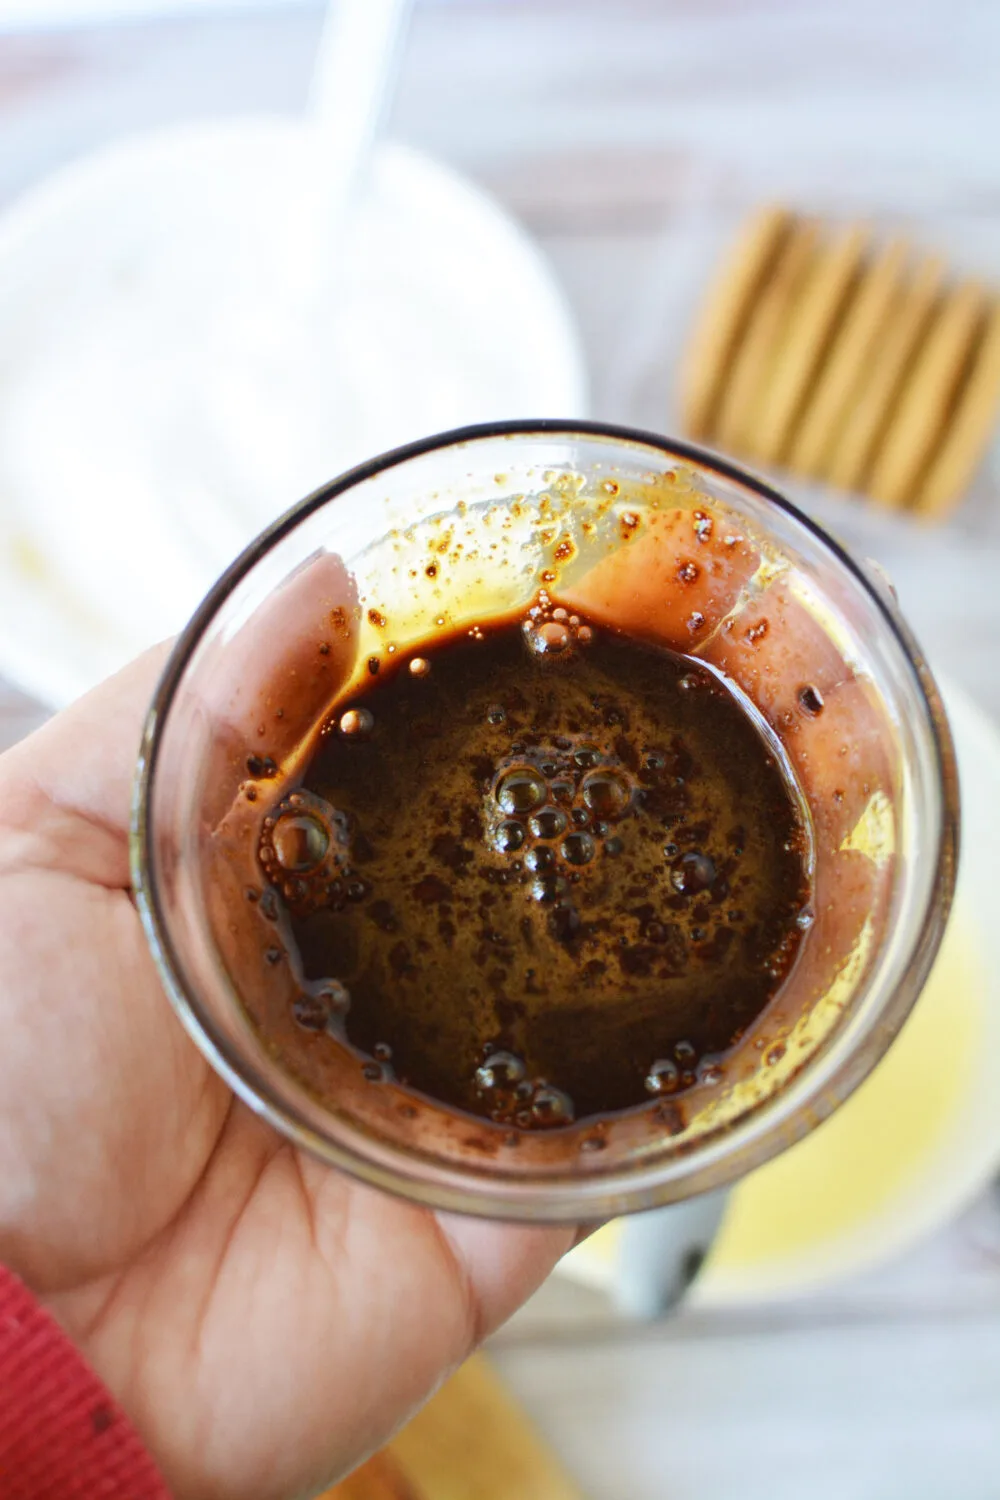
{"points": [[264, 1320]]}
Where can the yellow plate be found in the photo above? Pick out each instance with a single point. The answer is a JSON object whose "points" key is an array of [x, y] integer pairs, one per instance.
{"points": [[916, 1142]]}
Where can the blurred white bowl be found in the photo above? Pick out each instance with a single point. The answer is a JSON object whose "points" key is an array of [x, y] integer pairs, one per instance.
{"points": [[174, 373]]}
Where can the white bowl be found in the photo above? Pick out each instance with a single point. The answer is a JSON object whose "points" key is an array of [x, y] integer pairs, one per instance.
{"points": [[178, 365]]}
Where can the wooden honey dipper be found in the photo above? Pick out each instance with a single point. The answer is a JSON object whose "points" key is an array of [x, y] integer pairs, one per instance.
{"points": [[840, 359]]}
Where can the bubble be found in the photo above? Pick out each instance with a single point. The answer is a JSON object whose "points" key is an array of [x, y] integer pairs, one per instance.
{"points": [[551, 1106], [688, 572], [496, 714], [685, 1053], [356, 723], [419, 666], [581, 816], [549, 888], [593, 1143], [548, 823], [605, 793], [585, 635], [694, 872], [500, 1070], [508, 837], [382, 1052], [549, 638], [335, 996], [811, 700], [261, 767], [588, 756], [520, 791], [560, 614], [372, 1071], [613, 846], [578, 849], [300, 841], [805, 919], [562, 791], [712, 1074], [311, 1012], [695, 621], [662, 1077], [540, 859]]}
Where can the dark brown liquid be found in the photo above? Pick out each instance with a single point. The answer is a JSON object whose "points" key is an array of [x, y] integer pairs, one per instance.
{"points": [[541, 873]]}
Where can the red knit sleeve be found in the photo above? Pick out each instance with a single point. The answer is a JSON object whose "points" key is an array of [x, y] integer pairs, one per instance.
{"points": [[62, 1435]]}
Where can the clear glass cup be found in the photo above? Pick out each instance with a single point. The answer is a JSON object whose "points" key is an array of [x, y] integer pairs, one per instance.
{"points": [[449, 532]]}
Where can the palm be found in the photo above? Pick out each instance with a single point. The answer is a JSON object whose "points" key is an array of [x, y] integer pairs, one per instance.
{"points": [[265, 1321]]}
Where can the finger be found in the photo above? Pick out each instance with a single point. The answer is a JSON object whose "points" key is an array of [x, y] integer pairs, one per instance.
{"points": [[267, 687], [70, 783], [67, 787], [776, 650], [674, 577], [843, 760], [831, 725], [505, 1263]]}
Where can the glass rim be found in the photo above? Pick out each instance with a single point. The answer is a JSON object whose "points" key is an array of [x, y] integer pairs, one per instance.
{"points": [[566, 1197]]}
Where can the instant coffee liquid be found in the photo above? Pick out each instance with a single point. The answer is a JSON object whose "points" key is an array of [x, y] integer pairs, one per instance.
{"points": [[538, 870]]}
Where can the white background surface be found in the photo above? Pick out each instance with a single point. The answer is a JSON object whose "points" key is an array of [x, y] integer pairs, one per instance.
{"points": [[630, 135], [37, 14]]}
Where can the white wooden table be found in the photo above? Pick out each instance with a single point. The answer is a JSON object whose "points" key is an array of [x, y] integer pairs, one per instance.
{"points": [[629, 135]]}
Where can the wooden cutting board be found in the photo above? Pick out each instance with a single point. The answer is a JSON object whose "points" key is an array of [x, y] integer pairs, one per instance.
{"points": [[471, 1442]]}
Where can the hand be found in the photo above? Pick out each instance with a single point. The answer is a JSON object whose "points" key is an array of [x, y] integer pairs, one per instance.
{"points": [[265, 1321]]}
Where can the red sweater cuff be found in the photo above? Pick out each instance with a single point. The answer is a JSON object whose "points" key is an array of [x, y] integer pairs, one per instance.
{"points": [[62, 1435]]}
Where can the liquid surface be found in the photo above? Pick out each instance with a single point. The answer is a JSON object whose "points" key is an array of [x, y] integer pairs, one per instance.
{"points": [[541, 872]]}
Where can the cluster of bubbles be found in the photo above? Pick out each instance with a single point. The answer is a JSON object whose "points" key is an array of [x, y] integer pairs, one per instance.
{"points": [[552, 631], [681, 1070], [322, 1007], [304, 850], [513, 1098], [554, 811]]}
